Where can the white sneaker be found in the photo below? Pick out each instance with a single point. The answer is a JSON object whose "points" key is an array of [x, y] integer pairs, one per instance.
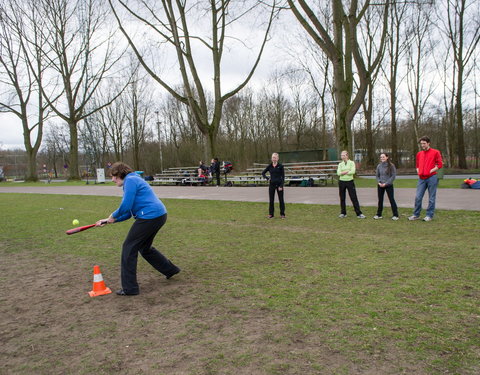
{"points": [[394, 218], [427, 218], [342, 216], [376, 217], [361, 216], [413, 217]]}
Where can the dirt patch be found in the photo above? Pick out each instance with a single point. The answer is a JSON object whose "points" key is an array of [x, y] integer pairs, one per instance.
{"points": [[49, 325]]}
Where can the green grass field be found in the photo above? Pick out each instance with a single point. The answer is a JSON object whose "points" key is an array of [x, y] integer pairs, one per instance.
{"points": [[398, 296]]}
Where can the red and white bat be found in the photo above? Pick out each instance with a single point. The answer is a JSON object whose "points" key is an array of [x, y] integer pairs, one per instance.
{"points": [[81, 229]]}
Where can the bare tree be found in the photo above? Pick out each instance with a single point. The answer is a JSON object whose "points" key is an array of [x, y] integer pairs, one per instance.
{"points": [[343, 51], [80, 53], [419, 57], [55, 147], [461, 23], [139, 108], [476, 93], [317, 67], [396, 47], [306, 57], [94, 139], [278, 109], [172, 23], [114, 120], [369, 35], [16, 62]]}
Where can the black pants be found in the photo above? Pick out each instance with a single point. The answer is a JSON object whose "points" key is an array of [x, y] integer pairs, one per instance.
{"points": [[139, 240], [271, 192], [391, 198], [343, 186], [217, 176]]}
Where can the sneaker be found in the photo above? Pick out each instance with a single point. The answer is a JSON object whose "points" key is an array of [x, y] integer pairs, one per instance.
{"points": [[413, 217], [342, 216], [282, 217], [376, 217], [361, 216], [173, 273], [394, 218], [122, 292], [270, 217], [427, 218]]}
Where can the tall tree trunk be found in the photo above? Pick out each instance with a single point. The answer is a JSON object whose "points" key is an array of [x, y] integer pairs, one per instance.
{"points": [[451, 135], [393, 128], [447, 144], [73, 154], [462, 160], [475, 126], [369, 128], [343, 127], [211, 143], [324, 130]]}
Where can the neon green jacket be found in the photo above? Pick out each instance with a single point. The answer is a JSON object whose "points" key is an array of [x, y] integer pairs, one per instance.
{"points": [[348, 166]]}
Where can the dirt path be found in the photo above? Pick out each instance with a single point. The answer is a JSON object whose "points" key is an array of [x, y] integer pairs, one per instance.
{"points": [[449, 199], [49, 325]]}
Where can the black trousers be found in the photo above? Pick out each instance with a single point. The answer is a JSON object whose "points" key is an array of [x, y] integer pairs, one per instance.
{"points": [[217, 176], [271, 192], [390, 193], [139, 240], [343, 186]]}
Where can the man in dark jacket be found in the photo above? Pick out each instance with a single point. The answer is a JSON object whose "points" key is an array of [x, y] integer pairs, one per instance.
{"points": [[215, 170]]}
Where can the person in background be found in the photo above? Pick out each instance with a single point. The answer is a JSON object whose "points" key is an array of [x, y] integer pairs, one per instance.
{"points": [[276, 183], [139, 201], [345, 172], [202, 168], [215, 170], [427, 162], [385, 174]]}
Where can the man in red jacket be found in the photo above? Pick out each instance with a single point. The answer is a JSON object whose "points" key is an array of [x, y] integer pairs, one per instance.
{"points": [[428, 162]]}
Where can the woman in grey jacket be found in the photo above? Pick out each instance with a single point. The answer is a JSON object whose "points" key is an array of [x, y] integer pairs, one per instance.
{"points": [[386, 173]]}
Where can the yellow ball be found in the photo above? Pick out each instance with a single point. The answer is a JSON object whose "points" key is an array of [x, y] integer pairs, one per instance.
{"points": [[75, 222]]}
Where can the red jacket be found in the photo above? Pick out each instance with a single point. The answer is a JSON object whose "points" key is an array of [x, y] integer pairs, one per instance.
{"points": [[426, 161]]}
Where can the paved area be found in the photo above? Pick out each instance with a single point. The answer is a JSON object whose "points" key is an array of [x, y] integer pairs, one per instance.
{"points": [[449, 199]]}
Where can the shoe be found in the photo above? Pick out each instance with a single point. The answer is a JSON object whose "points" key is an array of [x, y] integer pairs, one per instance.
{"points": [[121, 292], [376, 217], [171, 274], [270, 217], [413, 217], [342, 216], [282, 217], [427, 218], [361, 216], [394, 218]]}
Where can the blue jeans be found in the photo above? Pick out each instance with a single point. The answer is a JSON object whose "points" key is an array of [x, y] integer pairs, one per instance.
{"points": [[431, 184]]}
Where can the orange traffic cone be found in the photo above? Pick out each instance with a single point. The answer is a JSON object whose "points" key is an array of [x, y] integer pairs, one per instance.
{"points": [[99, 287]]}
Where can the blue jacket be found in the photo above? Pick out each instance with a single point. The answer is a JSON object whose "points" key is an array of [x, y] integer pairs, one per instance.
{"points": [[138, 201]]}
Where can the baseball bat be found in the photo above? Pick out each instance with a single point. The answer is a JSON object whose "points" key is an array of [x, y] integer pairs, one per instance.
{"points": [[81, 229]]}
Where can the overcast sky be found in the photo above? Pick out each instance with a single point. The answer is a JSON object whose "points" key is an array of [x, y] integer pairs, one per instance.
{"points": [[235, 66]]}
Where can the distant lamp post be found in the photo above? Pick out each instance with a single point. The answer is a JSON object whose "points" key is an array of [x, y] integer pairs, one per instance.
{"points": [[159, 142]]}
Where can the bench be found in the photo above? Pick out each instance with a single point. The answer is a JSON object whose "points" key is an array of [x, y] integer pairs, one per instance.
{"points": [[296, 173], [179, 176]]}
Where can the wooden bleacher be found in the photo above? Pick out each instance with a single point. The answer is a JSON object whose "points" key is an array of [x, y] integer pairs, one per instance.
{"points": [[178, 176], [320, 172], [295, 173]]}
